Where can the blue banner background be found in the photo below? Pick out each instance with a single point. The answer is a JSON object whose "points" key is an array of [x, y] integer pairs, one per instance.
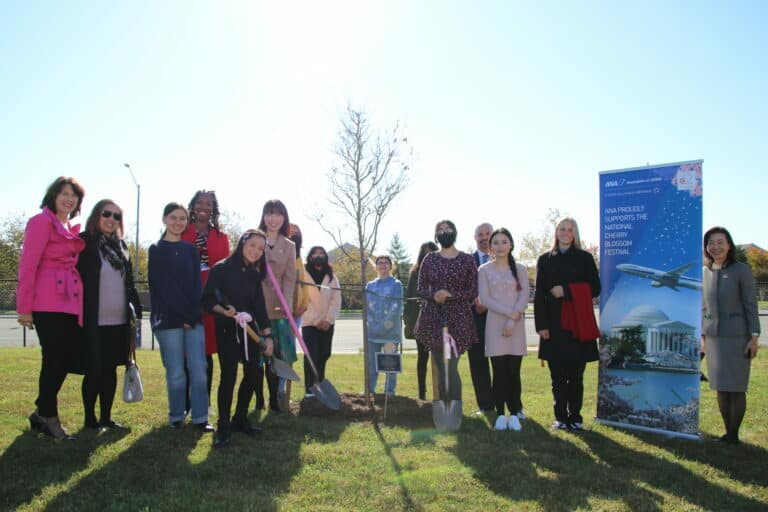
{"points": [[651, 219]]}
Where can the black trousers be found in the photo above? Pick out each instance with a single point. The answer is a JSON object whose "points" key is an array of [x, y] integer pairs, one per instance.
{"points": [[421, 368], [480, 370], [58, 334], [319, 345], [100, 380], [506, 383], [231, 354], [568, 389]]}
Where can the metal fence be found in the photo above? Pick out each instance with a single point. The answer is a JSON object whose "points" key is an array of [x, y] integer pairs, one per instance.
{"points": [[347, 335]]}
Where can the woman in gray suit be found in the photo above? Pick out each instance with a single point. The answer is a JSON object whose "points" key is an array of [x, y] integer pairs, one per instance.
{"points": [[730, 327]]}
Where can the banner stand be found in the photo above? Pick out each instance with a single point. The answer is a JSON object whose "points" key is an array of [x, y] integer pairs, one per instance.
{"points": [[640, 428]]}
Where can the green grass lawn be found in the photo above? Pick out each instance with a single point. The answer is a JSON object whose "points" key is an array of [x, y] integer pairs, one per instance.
{"points": [[359, 462]]}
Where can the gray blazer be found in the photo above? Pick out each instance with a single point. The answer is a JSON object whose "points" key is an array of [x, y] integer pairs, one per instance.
{"points": [[729, 302]]}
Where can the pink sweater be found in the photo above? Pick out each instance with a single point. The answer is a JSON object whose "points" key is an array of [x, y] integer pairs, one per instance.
{"points": [[48, 279]]}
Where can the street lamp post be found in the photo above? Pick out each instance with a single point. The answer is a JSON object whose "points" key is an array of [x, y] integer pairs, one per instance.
{"points": [[138, 202]]}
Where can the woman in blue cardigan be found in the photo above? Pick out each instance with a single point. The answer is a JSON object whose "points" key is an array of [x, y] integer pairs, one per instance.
{"points": [[385, 317]]}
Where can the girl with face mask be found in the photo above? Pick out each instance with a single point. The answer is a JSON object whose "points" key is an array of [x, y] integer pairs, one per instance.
{"points": [[448, 284], [324, 303]]}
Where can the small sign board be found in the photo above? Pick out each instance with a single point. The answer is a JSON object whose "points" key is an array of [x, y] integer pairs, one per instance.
{"points": [[389, 363]]}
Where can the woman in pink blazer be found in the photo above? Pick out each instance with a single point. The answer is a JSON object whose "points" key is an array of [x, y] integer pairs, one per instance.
{"points": [[50, 294], [503, 289]]}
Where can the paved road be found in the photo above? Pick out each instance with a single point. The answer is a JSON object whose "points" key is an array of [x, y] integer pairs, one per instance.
{"points": [[347, 338]]}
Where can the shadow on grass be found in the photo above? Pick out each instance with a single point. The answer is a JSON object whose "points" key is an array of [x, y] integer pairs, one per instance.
{"points": [[33, 462], [170, 469], [551, 469], [727, 458]]}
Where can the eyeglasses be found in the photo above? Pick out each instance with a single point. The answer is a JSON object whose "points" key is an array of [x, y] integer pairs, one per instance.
{"points": [[115, 215]]}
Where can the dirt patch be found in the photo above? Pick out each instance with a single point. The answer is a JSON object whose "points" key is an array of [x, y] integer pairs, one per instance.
{"points": [[356, 407]]}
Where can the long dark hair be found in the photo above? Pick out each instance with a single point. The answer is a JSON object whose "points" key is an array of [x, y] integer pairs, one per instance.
{"points": [[92, 224], [237, 258], [296, 238], [730, 258], [426, 248], [310, 267], [276, 206], [214, 220], [54, 189], [510, 258]]}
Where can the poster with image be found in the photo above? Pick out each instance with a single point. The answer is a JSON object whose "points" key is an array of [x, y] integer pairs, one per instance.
{"points": [[650, 305]]}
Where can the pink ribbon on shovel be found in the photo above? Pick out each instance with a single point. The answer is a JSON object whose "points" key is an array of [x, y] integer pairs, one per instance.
{"points": [[449, 344], [243, 319], [288, 313]]}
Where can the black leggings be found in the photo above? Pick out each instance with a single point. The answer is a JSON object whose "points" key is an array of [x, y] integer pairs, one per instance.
{"points": [[506, 383], [231, 353], [438, 376], [733, 406], [421, 368], [101, 380], [58, 334], [319, 346]]}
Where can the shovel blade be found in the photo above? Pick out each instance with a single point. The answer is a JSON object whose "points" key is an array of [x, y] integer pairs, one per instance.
{"points": [[327, 395], [447, 416], [454, 414], [283, 370], [440, 415]]}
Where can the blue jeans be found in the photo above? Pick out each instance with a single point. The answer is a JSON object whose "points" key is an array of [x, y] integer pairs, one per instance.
{"points": [[391, 380], [175, 346]]}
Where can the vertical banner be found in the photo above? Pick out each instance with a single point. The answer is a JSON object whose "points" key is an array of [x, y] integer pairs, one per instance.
{"points": [[650, 305]]}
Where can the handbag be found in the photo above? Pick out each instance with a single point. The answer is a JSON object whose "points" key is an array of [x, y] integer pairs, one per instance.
{"points": [[133, 391]]}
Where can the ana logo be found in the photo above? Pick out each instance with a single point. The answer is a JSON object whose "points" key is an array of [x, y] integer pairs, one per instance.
{"points": [[611, 183]]}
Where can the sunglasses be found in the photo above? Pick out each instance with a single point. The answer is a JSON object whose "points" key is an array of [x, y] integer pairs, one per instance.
{"points": [[115, 215]]}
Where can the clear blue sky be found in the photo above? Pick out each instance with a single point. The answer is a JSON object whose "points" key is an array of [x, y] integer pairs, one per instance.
{"points": [[510, 108]]}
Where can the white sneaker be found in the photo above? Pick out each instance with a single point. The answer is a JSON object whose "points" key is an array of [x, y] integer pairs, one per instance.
{"points": [[501, 423], [514, 423], [521, 415]]}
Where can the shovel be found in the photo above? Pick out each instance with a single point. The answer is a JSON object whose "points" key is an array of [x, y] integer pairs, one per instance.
{"points": [[277, 366], [447, 414], [323, 390]]}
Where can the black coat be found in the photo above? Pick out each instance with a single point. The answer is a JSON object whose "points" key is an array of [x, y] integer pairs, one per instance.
{"points": [[89, 266], [572, 266], [412, 306], [242, 288]]}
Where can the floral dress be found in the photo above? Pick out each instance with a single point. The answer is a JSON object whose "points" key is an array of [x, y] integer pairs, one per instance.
{"points": [[459, 276]]}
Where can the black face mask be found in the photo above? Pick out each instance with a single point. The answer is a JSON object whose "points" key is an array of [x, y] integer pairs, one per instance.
{"points": [[319, 260], [446, 239]]}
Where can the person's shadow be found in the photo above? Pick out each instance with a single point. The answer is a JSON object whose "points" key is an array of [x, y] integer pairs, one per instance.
{"points": [[561, 472], [33, 462], [180, 469]]}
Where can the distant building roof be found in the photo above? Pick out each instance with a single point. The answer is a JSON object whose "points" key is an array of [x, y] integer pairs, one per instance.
{"points": [[751, 247]]}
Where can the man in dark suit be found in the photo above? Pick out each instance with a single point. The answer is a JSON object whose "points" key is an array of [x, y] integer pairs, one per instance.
{"points": [[478, 363]]}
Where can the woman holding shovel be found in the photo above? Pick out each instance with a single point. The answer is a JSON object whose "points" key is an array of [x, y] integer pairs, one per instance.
{"points": [[322, 309], [448, 282], [233, 292], [281, 257]]}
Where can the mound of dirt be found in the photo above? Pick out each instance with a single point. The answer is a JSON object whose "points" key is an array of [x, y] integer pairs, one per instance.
{"points": [[401, 410]]}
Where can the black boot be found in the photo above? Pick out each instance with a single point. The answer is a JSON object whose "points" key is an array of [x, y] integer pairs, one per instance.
{"points": [[241, 424], [223, 435]]}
